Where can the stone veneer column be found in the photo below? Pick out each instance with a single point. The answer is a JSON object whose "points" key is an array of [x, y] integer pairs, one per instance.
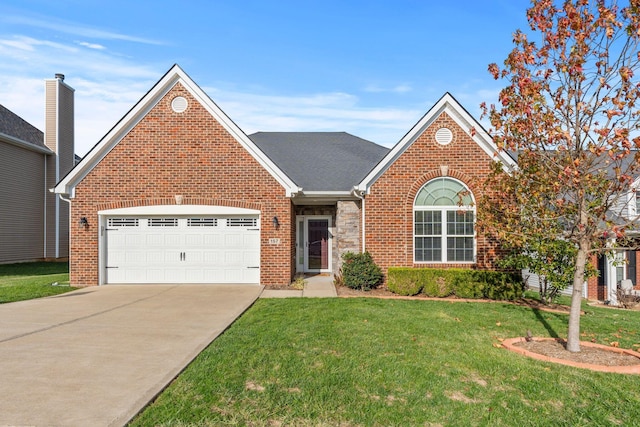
{"points": [[348, 232]]}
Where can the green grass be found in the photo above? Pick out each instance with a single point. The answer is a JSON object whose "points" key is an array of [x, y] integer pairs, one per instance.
{"points": [[369, 362], [30, 280]]}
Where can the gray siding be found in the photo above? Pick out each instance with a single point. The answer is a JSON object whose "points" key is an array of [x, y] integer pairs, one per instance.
{"points": [[21, 204]]}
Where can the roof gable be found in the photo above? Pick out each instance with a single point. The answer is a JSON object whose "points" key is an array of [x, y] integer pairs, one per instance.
{"points": [[321, 161], [174, 76], [447, 104]]}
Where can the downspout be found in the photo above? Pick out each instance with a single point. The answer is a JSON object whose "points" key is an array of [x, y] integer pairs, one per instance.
{"points": [[360, 195], [44, 231]]}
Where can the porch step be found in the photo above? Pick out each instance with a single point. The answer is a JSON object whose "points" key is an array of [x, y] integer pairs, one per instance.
{"points": [[316, 286]]}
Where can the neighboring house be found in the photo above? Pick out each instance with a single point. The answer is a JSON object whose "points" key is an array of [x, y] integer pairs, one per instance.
{"points": [[620, 264], [176, 192], [34, 222]]}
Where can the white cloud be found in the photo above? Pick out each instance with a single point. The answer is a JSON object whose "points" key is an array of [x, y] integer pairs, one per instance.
{"points": [[92, 45], [67, 27], [315, 112], [107, 86], [401, 88]]}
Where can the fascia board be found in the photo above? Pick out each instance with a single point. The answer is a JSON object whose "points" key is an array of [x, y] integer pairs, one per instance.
{"points": [[446, 104], [23, 144], [67, 185]]}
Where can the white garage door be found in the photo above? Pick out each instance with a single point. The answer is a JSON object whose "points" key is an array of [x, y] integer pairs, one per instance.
{"points": [[182, 249]]}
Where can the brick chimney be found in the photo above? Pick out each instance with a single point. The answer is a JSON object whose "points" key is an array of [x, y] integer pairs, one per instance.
{"points": [[59, 137]]}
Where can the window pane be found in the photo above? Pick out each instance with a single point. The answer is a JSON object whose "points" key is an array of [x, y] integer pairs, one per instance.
{"points": [[428, 249], [460, 249], [427, 223], [459, 223]]}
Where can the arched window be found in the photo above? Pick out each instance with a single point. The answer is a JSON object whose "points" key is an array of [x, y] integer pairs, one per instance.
{"points": [[443, 223]]}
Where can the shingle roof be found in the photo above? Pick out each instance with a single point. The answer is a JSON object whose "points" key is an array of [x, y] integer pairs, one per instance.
{"points": [[13, 125], [321, 161]]}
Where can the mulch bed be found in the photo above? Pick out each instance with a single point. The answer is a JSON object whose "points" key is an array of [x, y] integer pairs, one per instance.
{"points": [[587, 354]]}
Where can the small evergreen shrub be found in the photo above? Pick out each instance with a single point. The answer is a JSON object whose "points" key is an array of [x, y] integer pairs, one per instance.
{"points": [[437, 282], [469, 289], [463, 283], [404, 281], [359, 271]]}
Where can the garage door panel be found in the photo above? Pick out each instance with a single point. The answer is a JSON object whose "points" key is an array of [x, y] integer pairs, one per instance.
{"points": [[212, 240], [194, 240], [212, 258], [155, 257], [182, 250], [251, 259], [133, 239], [233, 241]]}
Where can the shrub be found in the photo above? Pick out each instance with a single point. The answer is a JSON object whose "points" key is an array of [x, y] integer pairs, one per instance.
{"points": [[502, 286], [469, 289], [463, 283], [438, 283], [404, 281], [359, 271]]}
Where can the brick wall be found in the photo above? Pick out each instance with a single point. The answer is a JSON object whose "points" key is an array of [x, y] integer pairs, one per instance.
{"points": [[188, 154], [389, 206]]}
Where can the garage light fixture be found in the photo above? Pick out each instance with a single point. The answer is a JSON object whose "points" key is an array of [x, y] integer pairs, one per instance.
{"points": [[83, 223], [276, 223]]}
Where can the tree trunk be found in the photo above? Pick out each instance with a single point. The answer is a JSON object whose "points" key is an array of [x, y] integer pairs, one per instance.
{"points": [[573, 334]]}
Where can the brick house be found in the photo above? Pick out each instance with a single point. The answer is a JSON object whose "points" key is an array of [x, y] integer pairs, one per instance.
{"points": [[34, 223], [176, 192]]}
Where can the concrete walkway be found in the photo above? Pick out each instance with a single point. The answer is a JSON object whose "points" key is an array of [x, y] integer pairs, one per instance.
{"points": [[316, 286], [96, 356]]}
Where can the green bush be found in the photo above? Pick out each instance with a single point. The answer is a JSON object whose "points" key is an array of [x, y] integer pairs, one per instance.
{"points": [[503, 286], [404, 281], [463, 283], [438, 283], [469, 289], [359, 271]]}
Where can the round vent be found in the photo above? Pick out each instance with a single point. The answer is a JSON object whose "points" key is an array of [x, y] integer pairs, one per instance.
{"points": [[179, 104], [444, 136]]}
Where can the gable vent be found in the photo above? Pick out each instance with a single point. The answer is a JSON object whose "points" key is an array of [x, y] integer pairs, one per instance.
{"points": [[444, 136], [179, 104]]}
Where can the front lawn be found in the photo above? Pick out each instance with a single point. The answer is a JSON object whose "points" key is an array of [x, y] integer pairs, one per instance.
{"points": [[370, 362], [33, 280]]}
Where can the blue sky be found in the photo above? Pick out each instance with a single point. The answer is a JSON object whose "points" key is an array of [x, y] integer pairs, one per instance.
{"points": [[371, 68]]}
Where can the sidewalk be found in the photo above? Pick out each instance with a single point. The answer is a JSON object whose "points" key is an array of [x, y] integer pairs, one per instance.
{"points": [[316, 286]]}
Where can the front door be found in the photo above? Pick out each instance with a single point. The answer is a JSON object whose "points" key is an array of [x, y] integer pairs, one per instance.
{"points": [[314, 244]]}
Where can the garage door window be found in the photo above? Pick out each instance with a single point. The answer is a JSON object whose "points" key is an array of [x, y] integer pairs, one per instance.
{"points": [[163, 222], [242, 222], [202, 222], [123, 222]]}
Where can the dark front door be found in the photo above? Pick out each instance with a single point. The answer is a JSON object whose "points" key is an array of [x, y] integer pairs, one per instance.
{"points": [[317, 244]]}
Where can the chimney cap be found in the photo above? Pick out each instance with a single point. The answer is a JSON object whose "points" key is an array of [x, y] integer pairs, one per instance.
{"points": [[60, 76]]}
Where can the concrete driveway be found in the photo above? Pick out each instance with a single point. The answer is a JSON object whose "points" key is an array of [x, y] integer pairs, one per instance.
{"points": [[96, 356]]}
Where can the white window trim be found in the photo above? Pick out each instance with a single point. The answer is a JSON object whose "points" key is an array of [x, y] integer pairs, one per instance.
{"points": [[443, 212]]}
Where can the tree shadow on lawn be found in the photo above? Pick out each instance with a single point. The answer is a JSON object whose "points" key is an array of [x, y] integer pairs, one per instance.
{"points": [[540, 316]]}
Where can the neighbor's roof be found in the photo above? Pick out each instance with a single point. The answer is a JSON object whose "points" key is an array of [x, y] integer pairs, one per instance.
{"points": [[16, 129], [321, 161]]}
